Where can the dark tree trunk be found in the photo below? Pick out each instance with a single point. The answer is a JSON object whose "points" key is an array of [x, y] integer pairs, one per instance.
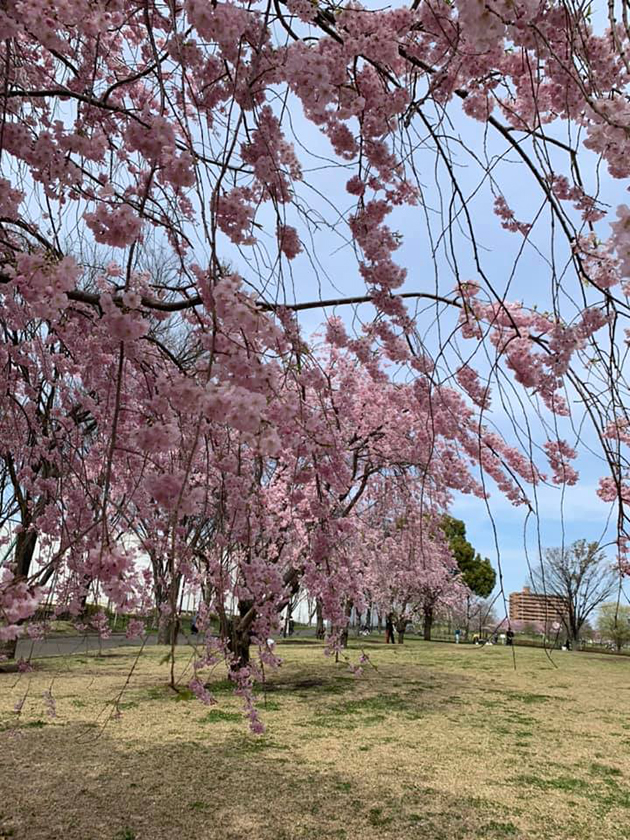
{"points": [[368, 617], [428, 621], [24, 549], [401, 627], [287, 620], [168, 624], [467, 625], [240, 643], [320, 630], [237, 632], [84, 613], [8, 649], [344, 632], [168, 630], [25, 544], [573, 631]]}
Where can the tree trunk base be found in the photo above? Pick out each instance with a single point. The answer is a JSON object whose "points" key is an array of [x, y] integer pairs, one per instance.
{"points": [[168, 631], [8, 650], [320, 629]]}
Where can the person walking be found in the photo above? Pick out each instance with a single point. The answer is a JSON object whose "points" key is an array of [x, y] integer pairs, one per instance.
{"points": [[389, 629], [458, 633]]}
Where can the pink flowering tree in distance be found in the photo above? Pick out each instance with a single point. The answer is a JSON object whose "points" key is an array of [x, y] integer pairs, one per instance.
{"points": [[163, 224], [412, 570]]}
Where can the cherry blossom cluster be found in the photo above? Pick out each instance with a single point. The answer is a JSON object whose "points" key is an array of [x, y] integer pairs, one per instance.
{"points": [[559, 454]]}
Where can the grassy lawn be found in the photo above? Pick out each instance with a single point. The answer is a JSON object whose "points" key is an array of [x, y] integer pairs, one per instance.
{"points": [[438, 742]]}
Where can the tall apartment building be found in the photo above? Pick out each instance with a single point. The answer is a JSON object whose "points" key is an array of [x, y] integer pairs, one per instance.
{"points": [[529, 606]]}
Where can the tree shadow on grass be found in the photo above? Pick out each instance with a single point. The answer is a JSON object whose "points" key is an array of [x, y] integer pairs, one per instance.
{"points": [[216, 788]]}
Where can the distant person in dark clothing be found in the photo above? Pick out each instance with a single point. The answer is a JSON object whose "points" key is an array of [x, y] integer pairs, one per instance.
{"points": [[509, 638], [389, 630]]}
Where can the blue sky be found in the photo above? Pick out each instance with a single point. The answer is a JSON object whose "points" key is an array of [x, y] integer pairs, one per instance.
{"points": [[497, 530]]}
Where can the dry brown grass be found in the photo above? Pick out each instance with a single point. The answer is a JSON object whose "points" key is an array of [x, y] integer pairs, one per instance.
{"points": [[440, 742]]}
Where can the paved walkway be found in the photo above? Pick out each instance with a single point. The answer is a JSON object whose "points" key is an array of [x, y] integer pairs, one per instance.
{"points": [[68, 645]]}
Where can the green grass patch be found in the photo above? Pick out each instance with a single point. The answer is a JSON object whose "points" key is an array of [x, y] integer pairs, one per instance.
{"points": [[219, 715], [531, 699], [499, 829], [569, 784], [165, 692], [377, 818], [198, 805], [254, 744], [346, 787], [183, 695], [385, 703], [604, 770], [220, 686]]}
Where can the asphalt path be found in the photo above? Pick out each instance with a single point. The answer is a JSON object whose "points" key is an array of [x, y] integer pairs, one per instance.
{"points": [[69, 645]]}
